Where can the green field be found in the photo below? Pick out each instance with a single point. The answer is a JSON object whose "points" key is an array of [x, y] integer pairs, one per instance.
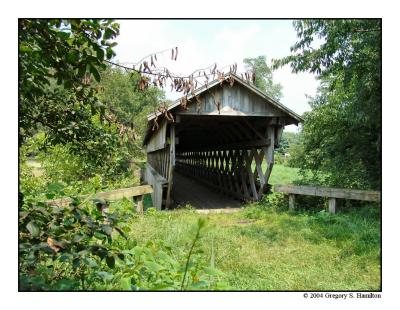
{"points": [[260, 248], [268, 250], [283, 175]]}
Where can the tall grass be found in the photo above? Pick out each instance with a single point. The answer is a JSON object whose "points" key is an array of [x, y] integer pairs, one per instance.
{"points": [[263, 248]]}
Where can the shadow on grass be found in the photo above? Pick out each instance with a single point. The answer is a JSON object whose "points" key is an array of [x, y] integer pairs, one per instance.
{"points": [[355, 231]]}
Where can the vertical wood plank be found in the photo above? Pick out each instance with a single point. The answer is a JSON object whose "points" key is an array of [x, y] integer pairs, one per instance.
{"points": [[332, 205], [251, 176], [292, 201], [258, 166], [171, 166], [139, 204], [269, 154]]}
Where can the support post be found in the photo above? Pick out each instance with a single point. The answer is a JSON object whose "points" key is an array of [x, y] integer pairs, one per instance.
{"points": [[332, 205], [269, 155], [171, 166], [139, 204], [291, 201]]}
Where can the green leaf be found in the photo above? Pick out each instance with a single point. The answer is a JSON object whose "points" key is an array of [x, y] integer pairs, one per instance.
{"points": [[78, 238], [76, 262], [126, 284], [199, 285], [121, 233], [107, 229], [109, 53], [65, 257], [152, 266], [99, 251], [66, 284], [90, 262], [100, 53], [110, 260], [50, 195], [72, 56], [24, 48], [82, 70], [63, 35], [212, 271], [106, 276], [222, 286], [33, 229], [99, 235], [112, 44], [95, 73], [201, 222], [108, 34], [55, 187]]}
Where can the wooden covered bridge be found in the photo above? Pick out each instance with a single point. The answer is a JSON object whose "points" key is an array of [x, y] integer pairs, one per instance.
{"points": [[218, 146]]}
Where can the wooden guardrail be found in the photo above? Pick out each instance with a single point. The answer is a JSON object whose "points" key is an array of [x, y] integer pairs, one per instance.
{"points": [[135, 193], [331, 193]]}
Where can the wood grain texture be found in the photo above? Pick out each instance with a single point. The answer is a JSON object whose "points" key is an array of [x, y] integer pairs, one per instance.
{"points": [[354, 194], [110, 195], [157, 181], [157, 140]]}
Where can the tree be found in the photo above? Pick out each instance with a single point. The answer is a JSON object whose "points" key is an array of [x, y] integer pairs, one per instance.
{"points": [[263, 79], [119, 93], [342, 133], [57, 61]]}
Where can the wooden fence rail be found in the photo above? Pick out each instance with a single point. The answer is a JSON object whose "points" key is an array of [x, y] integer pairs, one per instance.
{"points": [[331, 193], [135, 193]]}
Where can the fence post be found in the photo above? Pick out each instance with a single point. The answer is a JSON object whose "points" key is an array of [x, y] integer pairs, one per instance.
{"points": [[332, 205], [139, 204], [291, 201]]}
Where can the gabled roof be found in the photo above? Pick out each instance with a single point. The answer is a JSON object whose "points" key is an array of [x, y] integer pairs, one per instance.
{"points": [[175, 105], [244, 83]]}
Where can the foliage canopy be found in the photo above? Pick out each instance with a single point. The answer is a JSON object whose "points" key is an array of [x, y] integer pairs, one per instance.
{"points": [[263, 79], [342, 134]]}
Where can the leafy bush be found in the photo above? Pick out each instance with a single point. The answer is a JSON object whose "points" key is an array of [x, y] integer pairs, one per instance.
{"points": [[79, 248], [64, 243]]}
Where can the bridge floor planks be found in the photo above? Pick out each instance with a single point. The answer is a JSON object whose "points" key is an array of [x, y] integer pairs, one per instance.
{"points": [[188, 191]]}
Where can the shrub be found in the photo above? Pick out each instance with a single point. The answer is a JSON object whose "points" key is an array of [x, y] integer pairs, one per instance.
{"points": [[79, 248]]}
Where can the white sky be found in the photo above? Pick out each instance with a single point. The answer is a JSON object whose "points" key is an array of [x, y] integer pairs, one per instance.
{"points": [[204, 42]]}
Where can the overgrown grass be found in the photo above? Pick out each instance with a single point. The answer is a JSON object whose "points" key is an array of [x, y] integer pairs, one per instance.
{"points": [[283, 175], [267, 247], [261, 248]]}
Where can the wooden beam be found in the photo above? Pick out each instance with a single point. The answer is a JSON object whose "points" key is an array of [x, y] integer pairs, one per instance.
{"points": [[354, 194], [291, 201], [245, 130], [279, 131], [231, 146], [258, 134], [111, 195], [332, 205], [171, 166], [236, 132], [139, 204], [232, 113], [251, 176], [258, 160]]}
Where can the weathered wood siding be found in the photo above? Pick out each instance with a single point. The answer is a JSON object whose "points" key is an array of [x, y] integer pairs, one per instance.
{"points": [[343, 193], [110, 195], [158, 139], [153, 178], [234, 101]]}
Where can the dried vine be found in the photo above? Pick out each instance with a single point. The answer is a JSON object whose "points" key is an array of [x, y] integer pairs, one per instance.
{"points": [[153, 75]]}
